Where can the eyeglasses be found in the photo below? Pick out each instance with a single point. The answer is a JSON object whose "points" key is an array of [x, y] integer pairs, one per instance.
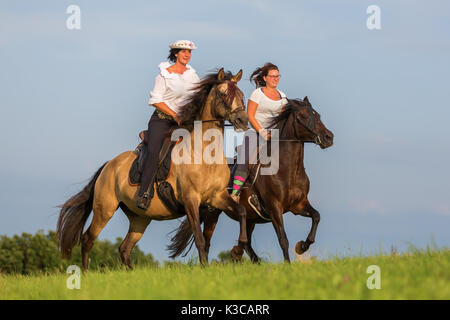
{"points": [[274, 77]]}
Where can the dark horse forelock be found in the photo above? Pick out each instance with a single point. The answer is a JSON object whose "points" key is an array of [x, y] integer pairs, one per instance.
{"points": [[231, 93]]}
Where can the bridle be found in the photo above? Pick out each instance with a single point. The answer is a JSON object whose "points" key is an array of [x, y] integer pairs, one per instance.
{"points": [[229, 112], [310, 126]]}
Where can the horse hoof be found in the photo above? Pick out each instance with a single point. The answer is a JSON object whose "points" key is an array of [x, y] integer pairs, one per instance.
{"points": [[236, 253], [301, 247], [256, 260]]}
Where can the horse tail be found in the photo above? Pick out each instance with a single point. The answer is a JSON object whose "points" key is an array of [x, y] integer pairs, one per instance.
{"points": [[182, 239], [73, 215]]}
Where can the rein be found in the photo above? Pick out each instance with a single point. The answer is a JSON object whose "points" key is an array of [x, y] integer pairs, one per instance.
{"points": [[307, 127]]}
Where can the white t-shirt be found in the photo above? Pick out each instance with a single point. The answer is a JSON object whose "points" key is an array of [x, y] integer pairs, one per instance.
{"points": [[172, 88], [267, 108]]}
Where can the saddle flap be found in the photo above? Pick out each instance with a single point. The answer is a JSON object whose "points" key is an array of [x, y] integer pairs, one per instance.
{"points": [[164, 160]]}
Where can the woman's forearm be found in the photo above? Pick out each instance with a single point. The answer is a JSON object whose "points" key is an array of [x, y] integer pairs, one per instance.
{"points": [[254, 123], [251, 111]]}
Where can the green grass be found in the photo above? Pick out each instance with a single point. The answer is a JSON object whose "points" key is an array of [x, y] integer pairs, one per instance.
{"points": [[414, 275]]}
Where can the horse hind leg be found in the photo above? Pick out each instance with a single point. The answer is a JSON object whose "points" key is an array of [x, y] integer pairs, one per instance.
{"points": [[138, 224], [103, 211]]}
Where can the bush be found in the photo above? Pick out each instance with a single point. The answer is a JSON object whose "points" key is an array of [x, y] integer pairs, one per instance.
{"points": [[31, 254]]}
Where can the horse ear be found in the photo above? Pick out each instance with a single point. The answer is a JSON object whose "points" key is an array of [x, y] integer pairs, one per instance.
{"points": [[221, 74], [237, 77], [306, 99]]}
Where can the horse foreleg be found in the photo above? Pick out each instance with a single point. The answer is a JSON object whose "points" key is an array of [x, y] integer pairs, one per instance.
{"points": [[306, 210], [191, 205], [248, 248], [276, 213], [224, 202], [238, 251], [209, 224], [138, 224]]}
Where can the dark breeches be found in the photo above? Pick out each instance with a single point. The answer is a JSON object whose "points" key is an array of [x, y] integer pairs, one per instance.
{"points": [[157, 131], [243, 158], [247, 154]]}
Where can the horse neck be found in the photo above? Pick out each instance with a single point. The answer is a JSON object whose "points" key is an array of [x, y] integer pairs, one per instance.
{"points": [[291, 147], [207, 114], [292, 163]]}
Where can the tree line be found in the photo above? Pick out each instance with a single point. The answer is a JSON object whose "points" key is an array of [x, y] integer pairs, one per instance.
{"points": [[38, 253], [35, 254]]}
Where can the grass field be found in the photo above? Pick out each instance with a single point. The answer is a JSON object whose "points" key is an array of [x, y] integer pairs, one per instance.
{"points": [[414, 275]]}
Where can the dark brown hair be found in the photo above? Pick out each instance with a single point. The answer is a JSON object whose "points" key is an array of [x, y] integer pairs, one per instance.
{"points": [[258, 75], [172, 53]]}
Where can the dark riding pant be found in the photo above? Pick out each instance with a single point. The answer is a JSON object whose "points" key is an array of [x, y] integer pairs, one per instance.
{"points": [[247, 154], [157, 131]]}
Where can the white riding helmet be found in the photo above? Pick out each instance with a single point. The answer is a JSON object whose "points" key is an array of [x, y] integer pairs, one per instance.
{"points": [[183, 44]]}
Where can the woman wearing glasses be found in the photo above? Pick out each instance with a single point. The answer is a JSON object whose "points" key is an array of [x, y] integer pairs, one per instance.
{"points": [[265, 103]]}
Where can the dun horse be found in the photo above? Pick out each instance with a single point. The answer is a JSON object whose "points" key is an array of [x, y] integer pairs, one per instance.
{"points": [[285, 191], [217, 99]]}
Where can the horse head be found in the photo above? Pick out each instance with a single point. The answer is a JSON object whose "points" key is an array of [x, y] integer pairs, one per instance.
{"points": [[228, 100], [303, 123]]}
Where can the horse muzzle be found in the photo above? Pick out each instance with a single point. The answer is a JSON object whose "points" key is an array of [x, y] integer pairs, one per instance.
{"points": [[239, 120], [325, 140]]}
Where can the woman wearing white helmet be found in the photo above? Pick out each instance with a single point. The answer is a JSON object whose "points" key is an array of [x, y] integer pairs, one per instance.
{"points": [[172, 89]]}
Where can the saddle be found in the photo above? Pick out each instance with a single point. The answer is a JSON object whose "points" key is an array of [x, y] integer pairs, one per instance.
{"points": [[163, 188], [253, 200], [138, 164]]}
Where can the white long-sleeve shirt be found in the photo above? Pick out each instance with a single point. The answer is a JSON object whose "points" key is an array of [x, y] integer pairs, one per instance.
{"points": [[172, 88]]}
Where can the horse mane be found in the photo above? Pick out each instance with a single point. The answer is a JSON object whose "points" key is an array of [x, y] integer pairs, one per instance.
{"points": [[292, 105], [196, 102]]}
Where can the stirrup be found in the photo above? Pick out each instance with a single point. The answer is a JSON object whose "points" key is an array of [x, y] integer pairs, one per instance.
{"points": [[143, 202]]}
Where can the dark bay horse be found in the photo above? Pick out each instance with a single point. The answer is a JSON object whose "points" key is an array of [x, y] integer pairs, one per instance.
{"points": [[217, 99], [285, 191]]}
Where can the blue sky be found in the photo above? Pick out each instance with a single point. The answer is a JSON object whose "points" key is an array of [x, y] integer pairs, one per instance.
{"points": [[73, 99]]}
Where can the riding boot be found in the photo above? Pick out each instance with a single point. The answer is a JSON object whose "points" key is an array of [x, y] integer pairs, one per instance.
{"points": [[144, 200]]}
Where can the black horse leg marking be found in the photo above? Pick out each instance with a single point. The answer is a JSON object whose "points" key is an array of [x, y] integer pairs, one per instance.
{"points": [[238, 251], [209, 224], [315, 216], [248, 248]]}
